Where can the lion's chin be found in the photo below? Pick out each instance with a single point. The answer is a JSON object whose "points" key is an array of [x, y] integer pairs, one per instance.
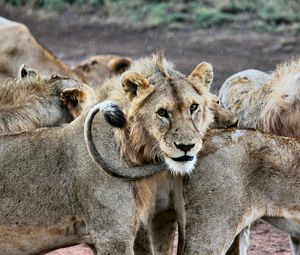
{"points": [[181, 167]]}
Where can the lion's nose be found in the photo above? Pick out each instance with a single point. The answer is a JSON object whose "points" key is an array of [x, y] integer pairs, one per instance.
{"points": [[185, 147]]}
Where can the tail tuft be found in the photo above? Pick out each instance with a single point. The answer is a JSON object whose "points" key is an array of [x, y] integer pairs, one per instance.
{"points": [[113, 114]]}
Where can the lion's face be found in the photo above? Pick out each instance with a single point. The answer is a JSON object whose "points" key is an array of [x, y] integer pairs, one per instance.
{"points": [[75, 95], [174, 111]]}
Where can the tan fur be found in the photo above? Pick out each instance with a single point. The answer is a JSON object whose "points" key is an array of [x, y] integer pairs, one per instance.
{"points": [[53, 195], [256, 174], [267, 103], [18, 46], [34, 101]]}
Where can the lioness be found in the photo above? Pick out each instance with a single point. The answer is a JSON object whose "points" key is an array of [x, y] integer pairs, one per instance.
{"points": [[53, 195], [32, 101], [269, 103], [18, 46], [241, 176], [98, 68]]}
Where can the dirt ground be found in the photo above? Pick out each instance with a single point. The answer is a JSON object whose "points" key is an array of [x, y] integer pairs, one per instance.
{"points": [[230, 49]]}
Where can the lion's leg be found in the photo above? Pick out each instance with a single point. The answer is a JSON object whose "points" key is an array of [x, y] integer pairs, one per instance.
{"points": [[295, 245], [162, 232], [158, 235], [240, 243], [159, 238], [113, 246], [141, 242]]}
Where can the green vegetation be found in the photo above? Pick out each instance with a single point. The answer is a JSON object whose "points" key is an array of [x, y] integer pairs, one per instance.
{"points": [[209, 17], [271, 15]]}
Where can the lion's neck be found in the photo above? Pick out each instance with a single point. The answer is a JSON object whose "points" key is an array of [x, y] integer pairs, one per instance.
{"points": [[137, 145]]}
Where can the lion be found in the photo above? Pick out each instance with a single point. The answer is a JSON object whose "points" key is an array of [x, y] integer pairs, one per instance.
{"points": [[160, 103], [269, 103], [18, 46], [32, 101], [97, 69]]}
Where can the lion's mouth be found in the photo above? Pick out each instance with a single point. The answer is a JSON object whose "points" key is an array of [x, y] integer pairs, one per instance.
{"points": [[184, 158]]}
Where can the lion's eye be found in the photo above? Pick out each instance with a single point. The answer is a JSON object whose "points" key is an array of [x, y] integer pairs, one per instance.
{"points": [[163, 113], [193, 107]]}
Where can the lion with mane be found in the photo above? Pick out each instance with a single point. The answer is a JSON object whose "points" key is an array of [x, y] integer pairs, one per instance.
{"points": [[168, 115]]}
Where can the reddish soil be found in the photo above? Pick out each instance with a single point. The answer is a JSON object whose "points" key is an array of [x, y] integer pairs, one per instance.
{"points": [[266, 240], [229, 48]]}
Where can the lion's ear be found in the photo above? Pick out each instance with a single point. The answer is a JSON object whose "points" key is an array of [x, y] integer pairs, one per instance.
{"points": [[72, 97], [26, 71], [203, 73], [119, 65], [133, 84]]}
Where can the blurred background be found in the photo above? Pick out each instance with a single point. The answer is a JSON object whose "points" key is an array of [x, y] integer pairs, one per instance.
{"points": [[233, 35]]}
